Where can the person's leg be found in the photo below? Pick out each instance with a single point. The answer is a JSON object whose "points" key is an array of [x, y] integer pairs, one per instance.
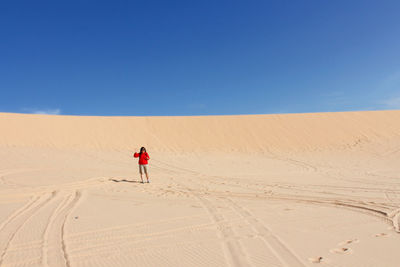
{"points": [[141, 173], [145, 171]]}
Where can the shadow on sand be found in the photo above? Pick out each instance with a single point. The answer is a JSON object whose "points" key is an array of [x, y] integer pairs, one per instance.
{"points": [[125, 181]]}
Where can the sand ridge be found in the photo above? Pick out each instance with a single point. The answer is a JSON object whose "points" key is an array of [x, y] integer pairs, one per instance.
{"points": [[246, 133]]}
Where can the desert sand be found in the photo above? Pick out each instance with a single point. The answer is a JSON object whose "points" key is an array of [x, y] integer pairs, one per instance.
{"points": [[317, 189]]}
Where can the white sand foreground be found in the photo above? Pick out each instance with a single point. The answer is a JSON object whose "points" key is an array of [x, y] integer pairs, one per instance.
{"points": [[259, 190]]}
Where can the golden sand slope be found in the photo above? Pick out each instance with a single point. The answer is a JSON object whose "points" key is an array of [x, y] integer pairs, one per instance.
{"points": [[247, 133], [259, 190]]}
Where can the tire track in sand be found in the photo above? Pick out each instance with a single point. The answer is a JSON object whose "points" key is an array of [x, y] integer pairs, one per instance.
{"points": [[69, 209], [278, 249], [54, 250], [234, 252], [19, 212], [386, 213], [20, 219], [48, 230], [281, 251], [53, 246]]}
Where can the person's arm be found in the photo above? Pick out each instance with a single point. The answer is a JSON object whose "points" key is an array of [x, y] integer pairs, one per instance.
{"points": [[136, 155], [148, 157]]}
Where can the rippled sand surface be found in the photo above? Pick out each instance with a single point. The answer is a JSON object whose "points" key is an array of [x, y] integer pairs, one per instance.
{"points": [[260, 190]]}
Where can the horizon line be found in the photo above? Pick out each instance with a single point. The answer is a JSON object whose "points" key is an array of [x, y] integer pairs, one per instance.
{"points": [[205, 115]]}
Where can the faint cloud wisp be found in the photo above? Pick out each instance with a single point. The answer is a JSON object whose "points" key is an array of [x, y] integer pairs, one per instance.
{"points": [[392, 103], [56, 111]]}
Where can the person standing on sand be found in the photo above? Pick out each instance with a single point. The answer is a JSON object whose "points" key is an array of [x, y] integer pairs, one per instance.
{"points": [[143, 161]]}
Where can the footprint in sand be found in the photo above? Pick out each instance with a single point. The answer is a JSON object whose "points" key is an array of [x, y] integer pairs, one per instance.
{"points": [[349, 241], [315, 260], [381, 235], [341, 250]]}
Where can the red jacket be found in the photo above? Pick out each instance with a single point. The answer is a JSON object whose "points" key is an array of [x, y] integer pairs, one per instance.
{"points": [[142, 158]]}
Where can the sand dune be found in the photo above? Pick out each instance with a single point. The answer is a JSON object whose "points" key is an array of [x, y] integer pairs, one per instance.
{"points": [[252, 190], [247, 133]]}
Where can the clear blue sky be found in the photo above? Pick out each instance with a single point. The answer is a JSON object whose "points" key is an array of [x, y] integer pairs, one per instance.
{"points": [[199, 57]]}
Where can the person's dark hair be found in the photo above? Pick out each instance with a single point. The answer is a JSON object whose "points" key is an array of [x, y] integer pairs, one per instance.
{"points": [[142, 149]]}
